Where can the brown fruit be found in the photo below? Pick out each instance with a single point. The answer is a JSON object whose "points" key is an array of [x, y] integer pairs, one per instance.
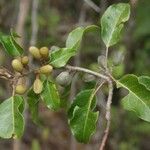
{"points": [[44, 52], [17, 65], [25, 60], [37, 86], [35, 52], [20, 89], [47, 69]]}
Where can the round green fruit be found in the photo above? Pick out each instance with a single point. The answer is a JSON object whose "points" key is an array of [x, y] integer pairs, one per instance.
{"points": [[37, 86], [44, 52], [17, 65], [35, 52], [64, 78], [20, 89], [25, 60], [47, 69]]}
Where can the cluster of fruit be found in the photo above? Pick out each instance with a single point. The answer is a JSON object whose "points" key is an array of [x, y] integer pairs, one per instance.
{"points": [[20, 65]]}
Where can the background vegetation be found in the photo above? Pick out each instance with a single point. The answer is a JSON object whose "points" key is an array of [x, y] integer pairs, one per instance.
{"points": [[47, 23]]}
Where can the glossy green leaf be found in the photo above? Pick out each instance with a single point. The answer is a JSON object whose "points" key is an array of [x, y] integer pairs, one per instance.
{"points": [[11, 117], [113, 21], [14, 34], [82, 119], [60, 57], [91, 28], [138, 99], [83, 123], [74, 38], [16, 45], [50, 95], [81, 100], [10, 45], [33, 103], [145, 80]]}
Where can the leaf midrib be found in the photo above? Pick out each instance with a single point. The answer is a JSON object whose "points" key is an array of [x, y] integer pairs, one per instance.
{"points": [[88, 110], [49, 92], [131, 92], [13, 131]]}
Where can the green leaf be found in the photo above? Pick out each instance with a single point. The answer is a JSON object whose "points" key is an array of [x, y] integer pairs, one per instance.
{"points": [[14, 34], [60, 57], [81, 100], [16, 45], [33, 103], [50, 95], [11, 117], [91, 28], [74, 38], [113, 21], [10, 45], [83, 124], [145, 80], [82, 119], [138, 99]]}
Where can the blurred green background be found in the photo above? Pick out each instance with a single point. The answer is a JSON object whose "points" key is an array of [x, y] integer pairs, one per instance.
{"points": [[47, 23]]}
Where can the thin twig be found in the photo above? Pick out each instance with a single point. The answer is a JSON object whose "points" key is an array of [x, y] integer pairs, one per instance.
{"points": [[97, 89], [75, 68], [13, 89], [108, 115], [5, 74], [93, 5], [108, 104], [106, 60]]}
